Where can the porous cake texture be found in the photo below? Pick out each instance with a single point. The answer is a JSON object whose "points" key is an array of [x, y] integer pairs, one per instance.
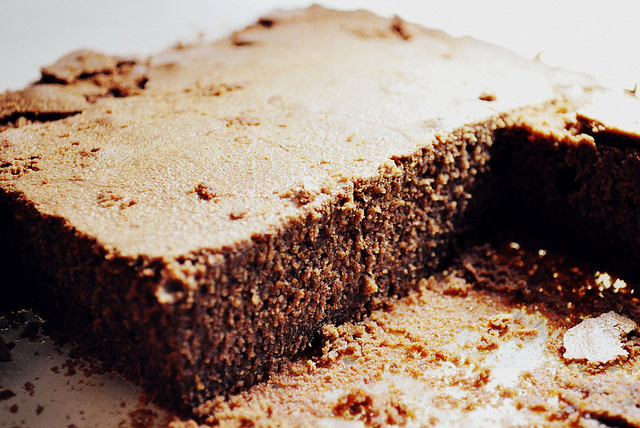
{"points": [[207, 211]]}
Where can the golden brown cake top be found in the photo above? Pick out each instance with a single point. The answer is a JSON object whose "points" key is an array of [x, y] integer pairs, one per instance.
{"points": [[236, 138]]}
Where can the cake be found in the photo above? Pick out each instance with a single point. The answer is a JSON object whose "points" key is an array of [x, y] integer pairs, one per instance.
{"points": [[481, 343], [204, 213]]}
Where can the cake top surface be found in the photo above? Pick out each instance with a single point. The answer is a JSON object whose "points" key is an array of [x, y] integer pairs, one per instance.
{"points": [[235, 138]]}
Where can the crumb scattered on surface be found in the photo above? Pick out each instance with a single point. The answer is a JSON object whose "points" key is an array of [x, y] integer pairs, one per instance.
{"points": [[487, 96], [142, 418], [205, 191], [401, 27], [373, 410], [29, 388]]}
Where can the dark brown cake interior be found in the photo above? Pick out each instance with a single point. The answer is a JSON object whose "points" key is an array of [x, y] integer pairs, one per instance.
{"points": [[525, 187]]}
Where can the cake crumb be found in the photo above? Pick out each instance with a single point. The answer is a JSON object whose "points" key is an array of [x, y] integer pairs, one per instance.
{"points": [[240, 39], [114, 198], [500, 322], [487, 96], [82, 62], [370, 285], [38, 102], [450, 285], [399, 26], [238, 214], [30, 388], [142, 418], [243, 119], [304, 192], [205, 191], [526, 332], [374, 411], [633, 92]]}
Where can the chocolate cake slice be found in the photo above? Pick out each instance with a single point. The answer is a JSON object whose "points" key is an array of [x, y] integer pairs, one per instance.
{"points": [[204, 214]]}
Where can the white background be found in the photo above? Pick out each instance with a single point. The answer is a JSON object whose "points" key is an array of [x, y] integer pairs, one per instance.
{"points": [[601, 38]]}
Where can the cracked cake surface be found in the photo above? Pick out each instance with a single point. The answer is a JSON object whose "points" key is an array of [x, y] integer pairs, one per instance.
{"points": [[272, 125]]}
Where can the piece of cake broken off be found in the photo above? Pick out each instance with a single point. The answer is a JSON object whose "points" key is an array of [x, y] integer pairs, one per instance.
{"points": [[598, 340]]}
